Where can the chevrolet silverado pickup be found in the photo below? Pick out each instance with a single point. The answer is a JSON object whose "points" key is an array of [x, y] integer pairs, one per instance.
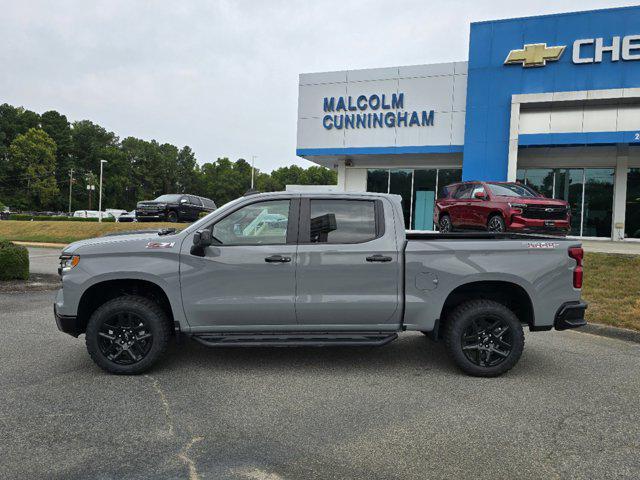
{"points": [[317, 269]]}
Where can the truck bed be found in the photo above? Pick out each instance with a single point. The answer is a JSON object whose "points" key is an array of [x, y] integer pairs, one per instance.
{"points": [[471, 235]]}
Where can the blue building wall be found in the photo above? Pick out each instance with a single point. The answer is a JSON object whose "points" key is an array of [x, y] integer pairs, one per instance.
{"points": [[491, 83]]}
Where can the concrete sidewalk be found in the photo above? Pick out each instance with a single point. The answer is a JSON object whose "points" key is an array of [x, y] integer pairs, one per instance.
{"points": [[44, 260], [628, 248]]}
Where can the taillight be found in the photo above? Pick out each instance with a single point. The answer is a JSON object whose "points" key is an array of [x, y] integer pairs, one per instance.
{"points": [[577, 254]]}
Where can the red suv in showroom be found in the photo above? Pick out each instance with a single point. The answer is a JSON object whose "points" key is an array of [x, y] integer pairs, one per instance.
{"points": [[500, 207]]}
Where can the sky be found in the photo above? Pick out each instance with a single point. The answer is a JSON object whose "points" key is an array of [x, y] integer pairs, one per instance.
{"points": [[221, 76]]}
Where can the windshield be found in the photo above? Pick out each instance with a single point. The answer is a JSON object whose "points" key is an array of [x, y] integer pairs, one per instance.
{"points": [[512, 190], [168, 198]]}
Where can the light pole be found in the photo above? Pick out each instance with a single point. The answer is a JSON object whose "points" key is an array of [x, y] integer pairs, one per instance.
{"points": [[102, 162], [70, 188]]}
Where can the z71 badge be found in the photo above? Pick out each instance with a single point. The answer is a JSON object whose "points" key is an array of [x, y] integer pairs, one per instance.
{"points": [[160, 244]]}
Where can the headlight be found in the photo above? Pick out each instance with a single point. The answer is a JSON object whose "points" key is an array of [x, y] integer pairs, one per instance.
{"points": [[518, 205], [67, 262]]}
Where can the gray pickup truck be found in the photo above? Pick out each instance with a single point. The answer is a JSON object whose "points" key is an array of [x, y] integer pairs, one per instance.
{"points": [[291, 269]]}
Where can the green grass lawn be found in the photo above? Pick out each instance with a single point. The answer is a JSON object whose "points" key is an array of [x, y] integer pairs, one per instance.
{"points": [[612, 288], [67, 232]]}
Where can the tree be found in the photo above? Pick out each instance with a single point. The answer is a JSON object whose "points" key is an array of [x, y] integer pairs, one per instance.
{"points": [[188, 171], [32, 158], [58, 128]]}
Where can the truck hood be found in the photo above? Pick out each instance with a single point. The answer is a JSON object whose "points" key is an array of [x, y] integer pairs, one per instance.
{"points": [[123, 238]]}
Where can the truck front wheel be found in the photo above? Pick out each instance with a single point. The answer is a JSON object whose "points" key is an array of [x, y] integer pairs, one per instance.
{"points": [[127, 335], [484, 338]]}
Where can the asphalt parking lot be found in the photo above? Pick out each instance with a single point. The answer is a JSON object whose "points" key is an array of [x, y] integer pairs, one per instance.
{"points": [[569, 409]]}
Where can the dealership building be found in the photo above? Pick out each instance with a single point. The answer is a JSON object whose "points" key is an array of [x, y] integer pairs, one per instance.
{"points": [[551, 101]]}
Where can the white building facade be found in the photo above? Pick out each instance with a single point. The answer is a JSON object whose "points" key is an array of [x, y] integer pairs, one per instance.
{"points": [[552, 101]]}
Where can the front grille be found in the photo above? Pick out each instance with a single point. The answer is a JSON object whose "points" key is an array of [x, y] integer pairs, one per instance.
{"points": [[545, 213]]}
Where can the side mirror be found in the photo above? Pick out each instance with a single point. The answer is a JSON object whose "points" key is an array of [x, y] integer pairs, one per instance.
{"points": [[201, 240], [480, 196]]}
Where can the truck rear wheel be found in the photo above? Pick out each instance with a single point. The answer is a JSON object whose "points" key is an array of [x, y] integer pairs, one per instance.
{"points": [[484, 338], [127, 335], [172, 217]]}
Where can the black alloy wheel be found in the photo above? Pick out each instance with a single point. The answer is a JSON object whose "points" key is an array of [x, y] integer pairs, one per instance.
{"points": [[487, 341], [127, 334], [444, 224], [124, 338], [483, 337], [496, 224], [172, 217]]}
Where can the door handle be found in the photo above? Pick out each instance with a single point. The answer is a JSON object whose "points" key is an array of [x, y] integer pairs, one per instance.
{"points": [[277, 259], [378, 258]]}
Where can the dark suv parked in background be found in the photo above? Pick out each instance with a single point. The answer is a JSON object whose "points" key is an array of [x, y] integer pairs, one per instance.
{"points": [[500, 207], [174, 207]]}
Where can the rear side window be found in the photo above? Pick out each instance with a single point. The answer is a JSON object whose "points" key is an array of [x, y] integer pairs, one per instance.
{"points": [[342, 221], [194, 201], [448, 191], [208, 203], [464, 191]]}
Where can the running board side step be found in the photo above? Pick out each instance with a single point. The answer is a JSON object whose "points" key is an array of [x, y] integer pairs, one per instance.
{"points": [[296, 339]]}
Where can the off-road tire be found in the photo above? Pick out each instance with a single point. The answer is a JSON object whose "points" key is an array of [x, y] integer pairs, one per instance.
{"points": [[155, 319], [475, 310]]}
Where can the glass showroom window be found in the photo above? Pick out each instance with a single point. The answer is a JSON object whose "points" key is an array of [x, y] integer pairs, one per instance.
{"points": [[632, 217], [378, 180], [417, 187], [598, 202], [589, 192], [401, 183]]}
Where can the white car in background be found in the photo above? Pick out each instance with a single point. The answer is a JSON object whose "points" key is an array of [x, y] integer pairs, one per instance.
{"points": [[115, 212], [91, 214], [127, 217]]}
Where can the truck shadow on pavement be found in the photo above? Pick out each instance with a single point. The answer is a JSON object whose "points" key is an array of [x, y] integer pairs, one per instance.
{"points": [[408, 352]]}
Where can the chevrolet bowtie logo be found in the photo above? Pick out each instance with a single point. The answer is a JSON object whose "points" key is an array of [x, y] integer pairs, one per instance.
{"points": [[534, 55]]}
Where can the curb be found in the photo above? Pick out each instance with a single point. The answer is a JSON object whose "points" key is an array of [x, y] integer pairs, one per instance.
{"points": [[611, 332], [41, 244], [38, 282]]}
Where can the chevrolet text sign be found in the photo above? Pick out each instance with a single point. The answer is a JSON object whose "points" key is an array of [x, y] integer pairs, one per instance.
{"points": [[585, 50], [591, 50]]}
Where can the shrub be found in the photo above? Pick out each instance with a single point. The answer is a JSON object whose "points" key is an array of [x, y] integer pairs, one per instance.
{"points": [[14, 261]]}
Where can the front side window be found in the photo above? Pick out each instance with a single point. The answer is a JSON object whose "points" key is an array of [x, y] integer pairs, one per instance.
{"points": [[342, 221], [263, 223], [477, 189]]}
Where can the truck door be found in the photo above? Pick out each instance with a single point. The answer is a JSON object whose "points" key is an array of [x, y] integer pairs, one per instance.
{"points": [[249, 279], [348, 263]]}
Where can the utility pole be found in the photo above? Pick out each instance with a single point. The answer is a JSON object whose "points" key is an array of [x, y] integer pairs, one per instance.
{"points": [[253, 161], [70, 188], [102, 162]]}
